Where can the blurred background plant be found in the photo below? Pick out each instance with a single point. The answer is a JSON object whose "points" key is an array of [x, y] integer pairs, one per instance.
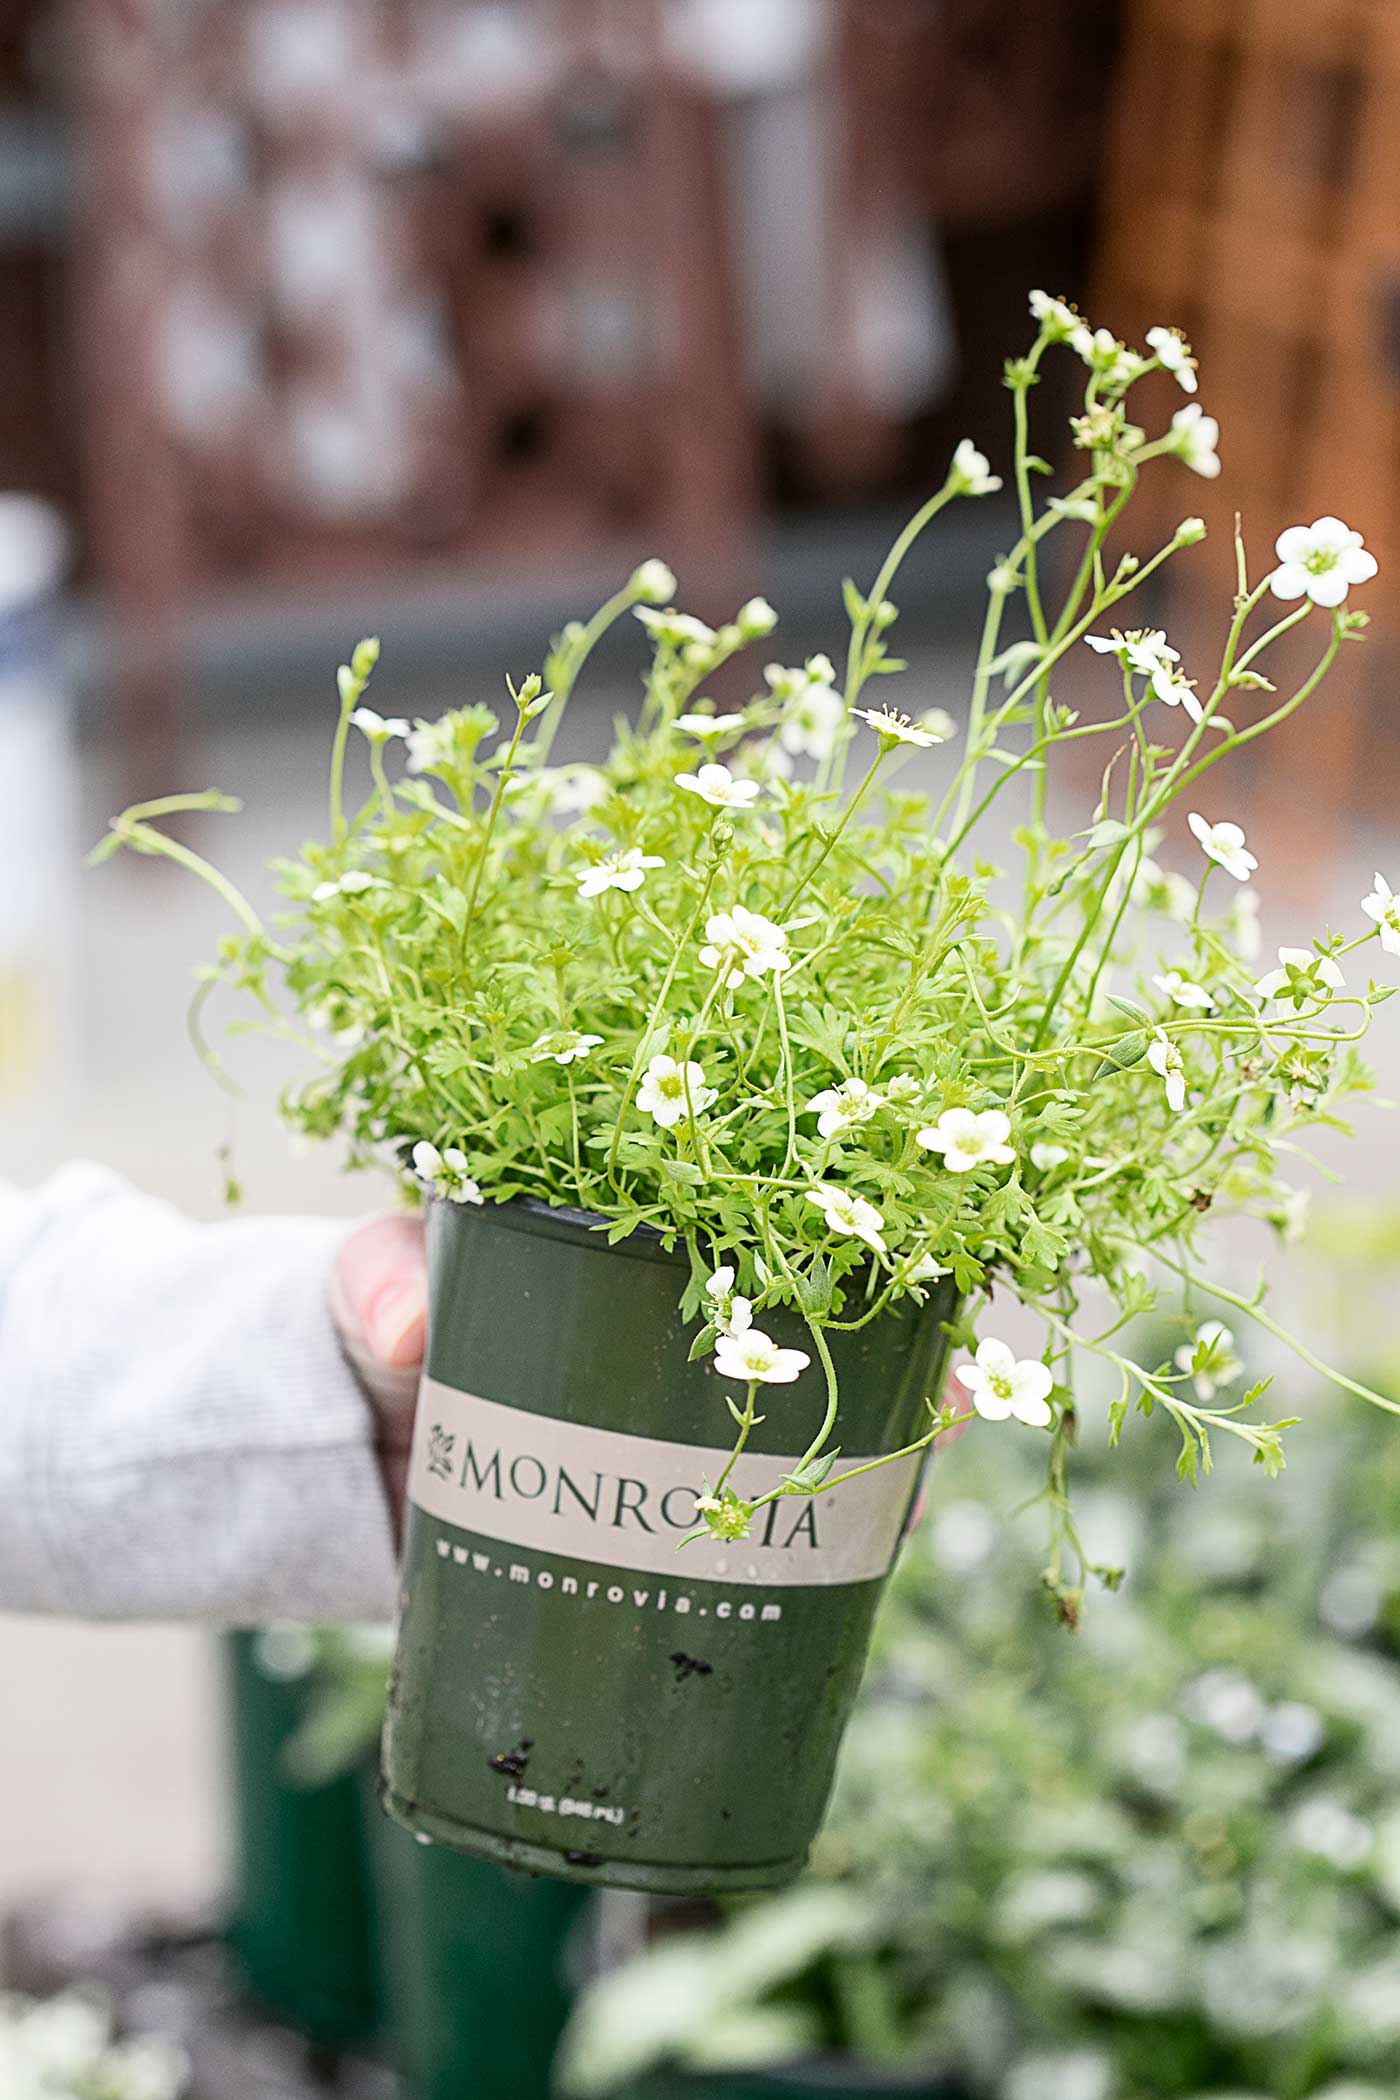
{"points": [[1158, 1860]]}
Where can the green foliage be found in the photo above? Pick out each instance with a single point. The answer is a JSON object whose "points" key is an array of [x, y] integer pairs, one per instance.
{"points": [[1158, 1863], [627, 987]]}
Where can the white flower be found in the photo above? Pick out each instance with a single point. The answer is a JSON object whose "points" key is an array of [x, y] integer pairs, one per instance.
{"points": [[1224, 844], [352, 884], [1328, 1829], [1045, 1157], [1194, 438], [653, 581], [716, 785], [379, 728], [1174, 356], [1182, 991], [445, 1173], [573, 789], [1320, 561], [1163, 890], [744, 944], [429, 745], [1056, 316], [672, 1092], [674, 627], [814, 711], [730, 1313], [971, 472], [1165, 1060], [1210, 1359], [898, 728], [618, 871], [1242, 925], [1146, 651], [1384, 907], [1302, 975], [1002, 1388], [708, 728], [839, 1108], [755, 619], [1101, 350], [938, 722], [903, 1087], [755, 1358], [564, 1045], [849, 1215], [968, 1139]]}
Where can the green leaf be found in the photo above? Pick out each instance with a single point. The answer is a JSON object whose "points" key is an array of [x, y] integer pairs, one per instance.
{"points": [[1121, 1056]]}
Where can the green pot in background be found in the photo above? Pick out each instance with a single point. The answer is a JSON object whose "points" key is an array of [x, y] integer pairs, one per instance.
{"points": [[826, 2078], [572, 1694], [302, 1930], [473, 1970]]}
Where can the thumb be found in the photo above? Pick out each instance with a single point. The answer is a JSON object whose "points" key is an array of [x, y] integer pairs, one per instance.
{"points": [[379, 1302]]}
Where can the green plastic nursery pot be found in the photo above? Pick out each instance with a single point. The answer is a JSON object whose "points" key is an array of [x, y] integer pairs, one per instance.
{"points": [[473, 1980], [573, 1694], [824, 2078], [302, 1926]]}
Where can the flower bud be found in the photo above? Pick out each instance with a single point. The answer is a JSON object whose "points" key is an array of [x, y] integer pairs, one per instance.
{"points": [[755, 619], [653, 582]]}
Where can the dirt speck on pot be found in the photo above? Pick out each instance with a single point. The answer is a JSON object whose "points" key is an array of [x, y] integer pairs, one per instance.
{"points": [[511, 1764], [688, 1666], [584, 1859]]}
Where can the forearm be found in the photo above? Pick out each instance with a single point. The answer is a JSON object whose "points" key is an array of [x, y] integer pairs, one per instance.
{"points": [[180, 1434]]}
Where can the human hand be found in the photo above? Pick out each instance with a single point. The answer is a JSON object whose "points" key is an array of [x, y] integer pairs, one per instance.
{"points": [[379, 1302]]}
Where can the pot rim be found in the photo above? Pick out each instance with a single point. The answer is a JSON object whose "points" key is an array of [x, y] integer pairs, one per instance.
{"points": [[835, 2069], [567, 1221]]}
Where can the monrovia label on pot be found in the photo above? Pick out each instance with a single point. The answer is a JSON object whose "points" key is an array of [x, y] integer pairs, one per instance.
{"points": [[626, 1501]]}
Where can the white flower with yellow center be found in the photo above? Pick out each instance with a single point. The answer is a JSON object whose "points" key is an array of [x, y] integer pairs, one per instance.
{"points": [[1166, 1061], [1057, 317], [716, 785], [1384, 907], [1003, 1389], [1320, 561], [672, 1093], [754, 1358], [839, 1108], [564, 1045], [1194, 438], [743, 944], [1146, 652], [850, 1216], [1224, 844], [445, 1173], [618, 871], [896, 728], [968, 1138], [1116, 365], [1174, 355]]}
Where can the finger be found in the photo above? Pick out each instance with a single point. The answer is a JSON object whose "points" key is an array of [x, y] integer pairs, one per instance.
{"points": [[379, 1292]]}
